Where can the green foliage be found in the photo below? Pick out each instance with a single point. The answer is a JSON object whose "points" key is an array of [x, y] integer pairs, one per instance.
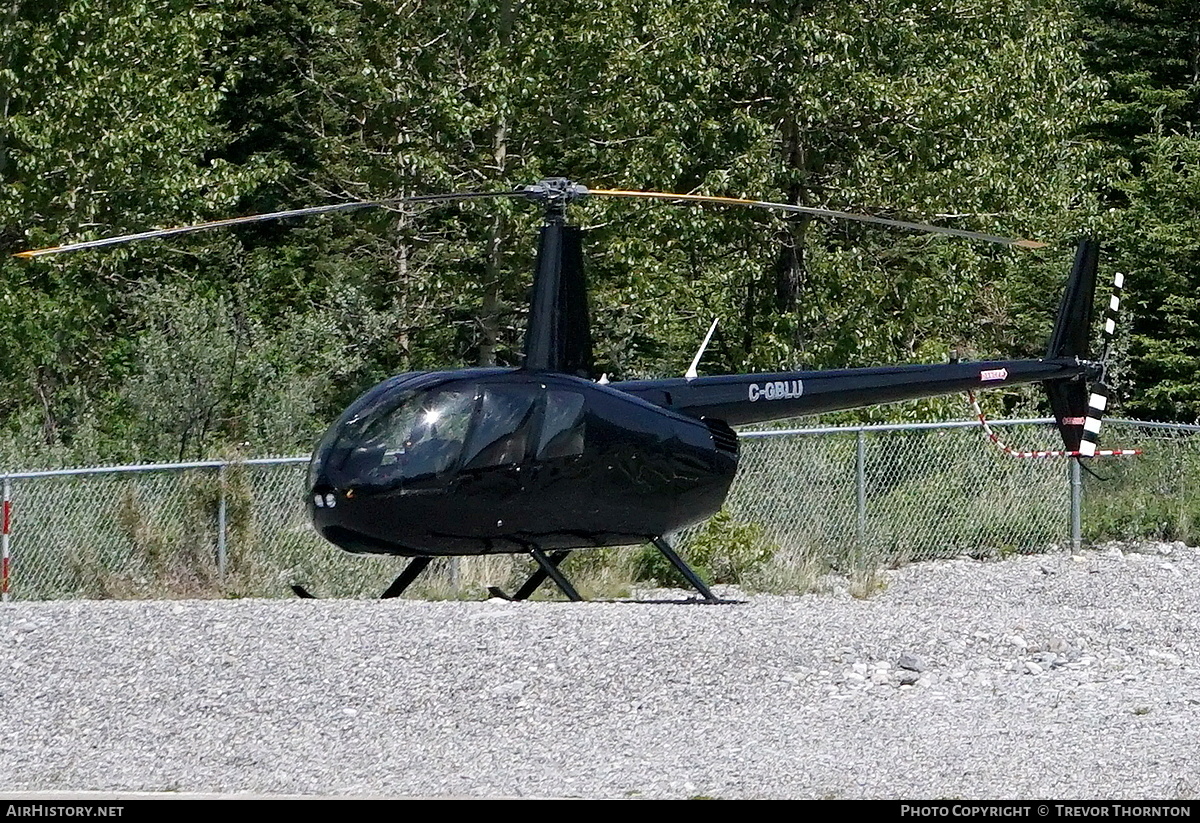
{"points": [[1147, 51], [966, 112], [1156, 496]]}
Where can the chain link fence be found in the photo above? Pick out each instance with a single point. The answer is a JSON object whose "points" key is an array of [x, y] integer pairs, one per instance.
{"points": [[805, 502]]}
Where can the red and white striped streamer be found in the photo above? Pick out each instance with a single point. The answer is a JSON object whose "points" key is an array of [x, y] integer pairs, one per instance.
{"points": [[1009, 450]]}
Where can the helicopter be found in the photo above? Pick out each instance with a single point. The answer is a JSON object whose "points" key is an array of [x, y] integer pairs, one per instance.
{"points": [[545, 459]]}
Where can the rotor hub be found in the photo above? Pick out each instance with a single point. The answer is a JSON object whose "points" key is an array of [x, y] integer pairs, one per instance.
{"points": [[555, 193]]}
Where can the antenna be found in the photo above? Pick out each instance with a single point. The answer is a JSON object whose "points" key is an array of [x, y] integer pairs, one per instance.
{"points": [[691, 372]]}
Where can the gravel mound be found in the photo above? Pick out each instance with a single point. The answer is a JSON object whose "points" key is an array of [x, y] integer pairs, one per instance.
{"points": [[1051, 676]]}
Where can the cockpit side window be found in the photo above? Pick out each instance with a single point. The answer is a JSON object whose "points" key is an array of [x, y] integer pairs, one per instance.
{"points": [[562, 426], [502, 427]]}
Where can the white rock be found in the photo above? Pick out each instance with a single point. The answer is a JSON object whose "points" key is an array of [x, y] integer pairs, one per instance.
{"points": [[1165, 657]]}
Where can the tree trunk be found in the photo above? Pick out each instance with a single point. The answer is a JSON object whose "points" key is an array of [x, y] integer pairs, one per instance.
{"points": [[489, 320]]}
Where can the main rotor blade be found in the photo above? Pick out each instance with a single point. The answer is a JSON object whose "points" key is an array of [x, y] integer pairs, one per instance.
{"points": [[840, 215], [261, 218]]}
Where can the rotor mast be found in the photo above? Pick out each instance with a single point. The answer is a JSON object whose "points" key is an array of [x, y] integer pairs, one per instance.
{"points": [[558, 337]]}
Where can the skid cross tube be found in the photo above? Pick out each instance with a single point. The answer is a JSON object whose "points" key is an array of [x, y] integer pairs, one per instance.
{"points": [[550, 568], [536, 579], [406, 577]]}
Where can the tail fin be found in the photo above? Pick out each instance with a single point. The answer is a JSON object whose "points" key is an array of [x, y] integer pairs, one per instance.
{"points": [[1072, 330], [1071, 338], [1077, 411]]}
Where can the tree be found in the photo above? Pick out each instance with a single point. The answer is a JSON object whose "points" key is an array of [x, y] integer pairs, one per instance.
{"points": [[1149, 53], [109, 127], [960, 112]]}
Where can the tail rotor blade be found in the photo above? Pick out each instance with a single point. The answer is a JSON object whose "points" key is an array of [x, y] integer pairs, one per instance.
{"points": [[1099, 396], [1110, 314], [1097, 403]]}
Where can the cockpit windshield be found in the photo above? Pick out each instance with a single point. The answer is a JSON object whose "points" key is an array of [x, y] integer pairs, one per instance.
{"points": [[416, 436]]}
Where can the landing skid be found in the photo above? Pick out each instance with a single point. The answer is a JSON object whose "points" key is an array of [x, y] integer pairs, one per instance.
{"points": [[548, 567], [402, 582]]}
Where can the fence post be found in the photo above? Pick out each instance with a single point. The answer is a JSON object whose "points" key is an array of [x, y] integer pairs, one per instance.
{"points": [[1076, 506], [221, 523], [5, 562], [860, 469]]}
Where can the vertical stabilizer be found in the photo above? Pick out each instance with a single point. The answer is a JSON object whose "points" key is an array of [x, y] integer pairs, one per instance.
{"points": [[1072, 330], [1072, 338]]}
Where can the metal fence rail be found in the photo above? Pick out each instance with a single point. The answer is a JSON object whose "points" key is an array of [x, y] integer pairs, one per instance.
{"points": [[832, 498]]}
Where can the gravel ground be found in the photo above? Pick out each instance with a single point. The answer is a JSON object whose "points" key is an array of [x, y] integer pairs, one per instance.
{"points": [[1050, 676]]}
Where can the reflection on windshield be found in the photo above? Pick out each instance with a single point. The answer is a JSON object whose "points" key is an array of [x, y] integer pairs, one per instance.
{"points": [[421, 437]]}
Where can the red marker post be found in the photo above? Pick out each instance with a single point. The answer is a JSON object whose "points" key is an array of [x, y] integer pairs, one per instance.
{"points": [[5, 560]]}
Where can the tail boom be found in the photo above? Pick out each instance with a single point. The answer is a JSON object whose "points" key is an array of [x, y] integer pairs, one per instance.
{"points": [[741, 399]]}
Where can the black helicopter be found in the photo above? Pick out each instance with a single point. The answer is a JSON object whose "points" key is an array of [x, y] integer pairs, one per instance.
{"points": [[544, 459]]}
